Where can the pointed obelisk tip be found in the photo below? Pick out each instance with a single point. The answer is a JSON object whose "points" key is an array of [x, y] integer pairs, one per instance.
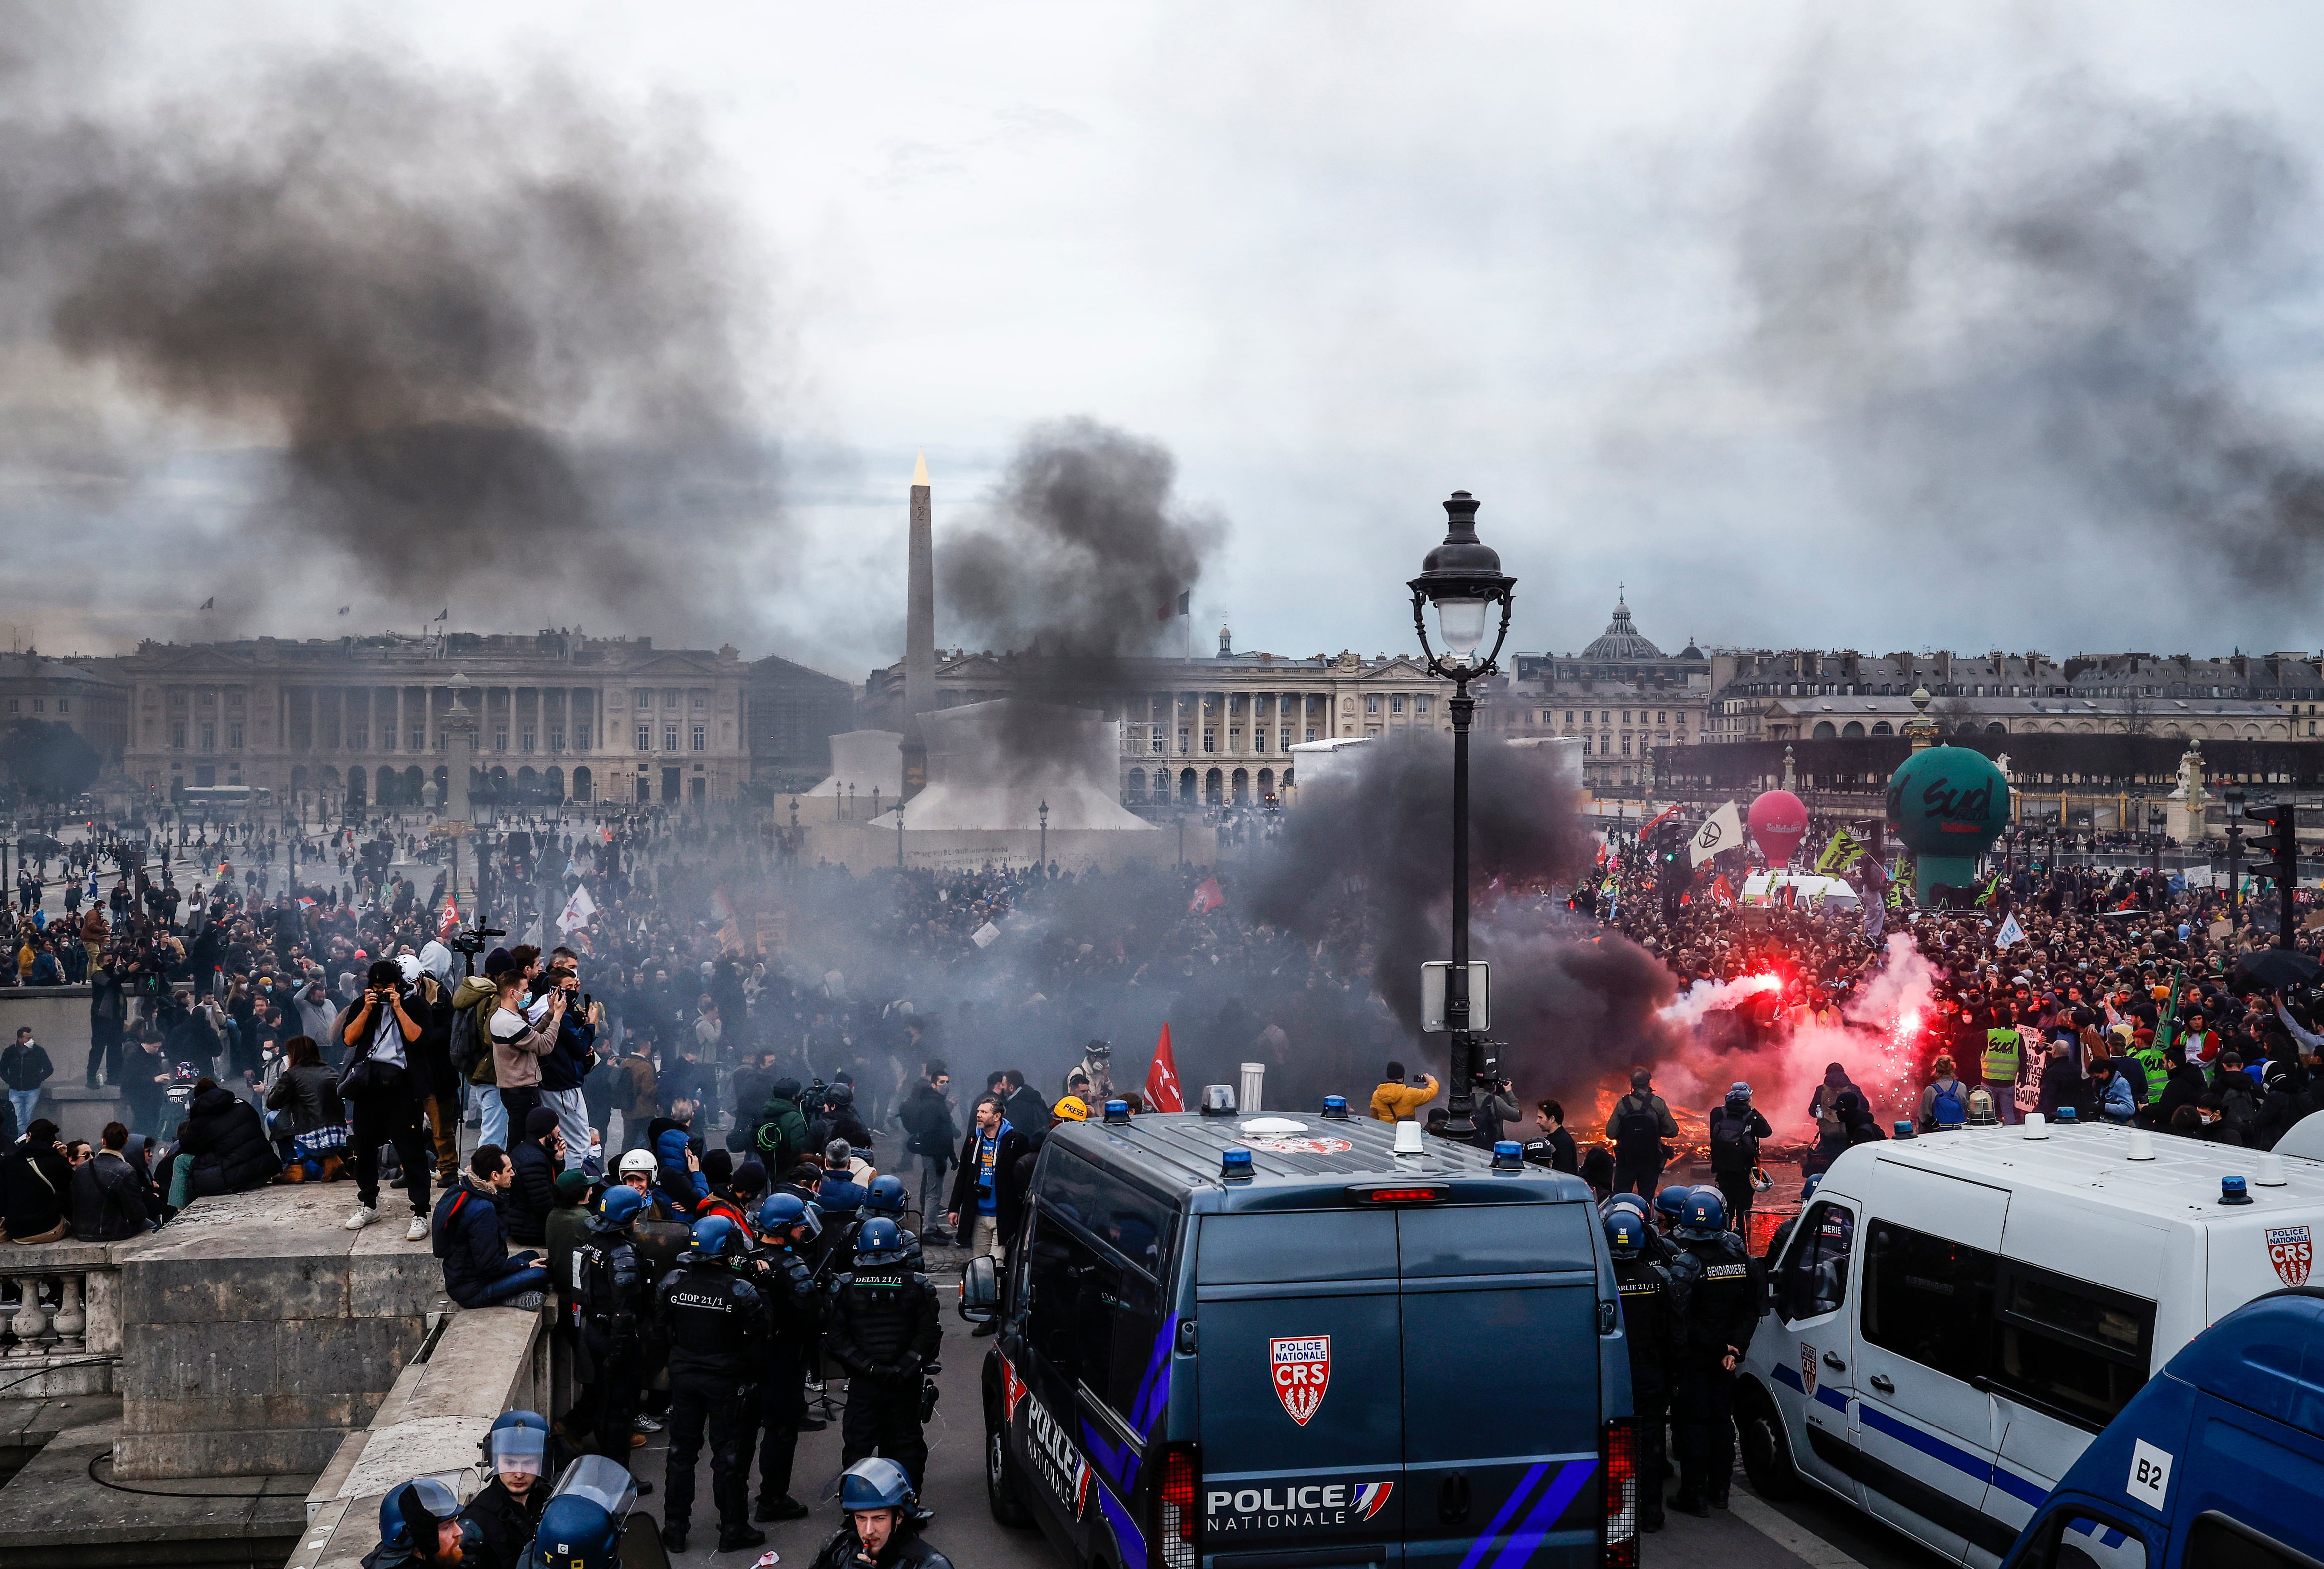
{"points": [[920, 470]]}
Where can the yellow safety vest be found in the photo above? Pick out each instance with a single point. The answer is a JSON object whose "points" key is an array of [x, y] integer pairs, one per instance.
{"points": [[2000, 1064], [2157, 1070]]}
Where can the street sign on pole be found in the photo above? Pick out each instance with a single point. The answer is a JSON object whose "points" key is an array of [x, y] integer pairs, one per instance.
{"points": [[1432, 973]]}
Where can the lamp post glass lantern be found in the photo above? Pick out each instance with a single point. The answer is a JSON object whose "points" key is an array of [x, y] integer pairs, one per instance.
{"points": [[1462, 578]]}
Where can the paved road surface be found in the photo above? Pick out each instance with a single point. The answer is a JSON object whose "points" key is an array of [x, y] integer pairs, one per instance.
{"points": [[1751, 1535]]}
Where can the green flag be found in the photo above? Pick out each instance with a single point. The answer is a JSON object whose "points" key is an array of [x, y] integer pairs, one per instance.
{"points": [[1986, 897], [2163, 1026], [1844, 851]]}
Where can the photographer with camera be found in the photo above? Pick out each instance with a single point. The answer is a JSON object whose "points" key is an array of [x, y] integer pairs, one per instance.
{"points": [[377, 1082]]}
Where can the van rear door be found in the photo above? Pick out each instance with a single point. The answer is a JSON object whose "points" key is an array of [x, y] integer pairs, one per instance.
{"points": [[1502, 1412], [1301, 1383]]}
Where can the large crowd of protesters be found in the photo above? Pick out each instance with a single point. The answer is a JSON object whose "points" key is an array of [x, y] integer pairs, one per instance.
{"points": [[230, 971]]}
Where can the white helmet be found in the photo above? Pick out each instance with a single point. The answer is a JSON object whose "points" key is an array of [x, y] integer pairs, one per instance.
{"points": [[638, 1160]]}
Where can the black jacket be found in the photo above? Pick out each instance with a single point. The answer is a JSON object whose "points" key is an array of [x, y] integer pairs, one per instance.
{"points": [[1025, 1108], [884, 1323], [227, 1141], [109, 1201], [26, 1067], [718, 1321], [905, 1549], [929, 1126], [1013, 1144], [525, 1208], [33, 1184], [310, 1094], [508, 1522]]}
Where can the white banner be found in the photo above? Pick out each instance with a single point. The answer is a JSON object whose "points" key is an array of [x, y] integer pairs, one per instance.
{"points": [[1723, 830], [578, 909]]}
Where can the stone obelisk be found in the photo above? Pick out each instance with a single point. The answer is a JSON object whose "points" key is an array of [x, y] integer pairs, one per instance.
{"points": [[919, 632]]}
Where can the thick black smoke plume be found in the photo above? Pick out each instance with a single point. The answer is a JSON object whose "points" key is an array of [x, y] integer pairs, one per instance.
{"points": [[2035, 326], [498, 338], [1365, 863], [1078, 563]]}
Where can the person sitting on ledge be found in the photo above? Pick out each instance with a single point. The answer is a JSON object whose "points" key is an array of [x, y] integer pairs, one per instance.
{"points": [[229, 1142], [478, 1269], [35, 1178]]}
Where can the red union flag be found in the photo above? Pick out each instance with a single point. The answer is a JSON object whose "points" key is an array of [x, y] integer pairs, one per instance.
{"points": [[2291, 1249], [1302, 1372]]}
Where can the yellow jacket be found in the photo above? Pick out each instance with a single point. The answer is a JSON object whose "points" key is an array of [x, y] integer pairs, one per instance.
{"points": [[1394, 1102]]}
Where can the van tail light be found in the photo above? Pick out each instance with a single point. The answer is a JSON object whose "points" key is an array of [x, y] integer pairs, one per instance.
{"points": [[1620, 1458], [1173, 1510]]}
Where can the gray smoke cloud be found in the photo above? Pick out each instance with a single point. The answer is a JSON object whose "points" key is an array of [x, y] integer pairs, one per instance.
{"points": [[1364, 864], [1077, 561], [2048, 325], [474, 330]]}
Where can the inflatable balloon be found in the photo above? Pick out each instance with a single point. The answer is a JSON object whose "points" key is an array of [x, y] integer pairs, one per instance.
{"points": [[1947, 804], [1779, 821]]}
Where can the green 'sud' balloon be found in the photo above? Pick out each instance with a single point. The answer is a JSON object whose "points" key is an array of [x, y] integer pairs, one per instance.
{"points": [[1947, 804]]}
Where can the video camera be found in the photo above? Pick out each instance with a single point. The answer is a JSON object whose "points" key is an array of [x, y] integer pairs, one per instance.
{"points": [[473, 940]]}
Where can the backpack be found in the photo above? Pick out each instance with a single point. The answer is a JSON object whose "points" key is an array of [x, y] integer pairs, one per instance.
{"points": [[1637, 1133], [470, 1045], [1734, 1148], [781, 1137], [1950, 1109]]}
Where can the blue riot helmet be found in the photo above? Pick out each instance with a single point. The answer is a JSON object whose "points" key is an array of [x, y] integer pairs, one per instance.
{"points": [[621, 1205], [517, 1451], [1670, 1203], [875, 1484], [412, 1514], [1705, 1217], [1626, 1233], [716, 1237], [782, 1211], [582, 1524], [1629, 1201], [577, 1533], [1807, 1189], [505, 1422], [886, 1196], [878, 1241]]}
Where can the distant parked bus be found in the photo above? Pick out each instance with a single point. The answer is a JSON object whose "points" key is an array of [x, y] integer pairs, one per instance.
{"points": [[229, 798]]}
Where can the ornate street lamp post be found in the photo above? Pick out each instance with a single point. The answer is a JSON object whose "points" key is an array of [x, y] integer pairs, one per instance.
{"points": [[1462, 578]]}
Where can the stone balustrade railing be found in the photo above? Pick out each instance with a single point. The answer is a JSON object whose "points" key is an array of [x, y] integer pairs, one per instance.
{"points": [[59, 1319]]}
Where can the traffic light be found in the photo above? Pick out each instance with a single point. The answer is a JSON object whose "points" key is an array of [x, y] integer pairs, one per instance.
{"points": [[1673, 872], [2278, 851]]}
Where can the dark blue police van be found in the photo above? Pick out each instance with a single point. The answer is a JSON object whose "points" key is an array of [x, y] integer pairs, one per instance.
{"points": [[1271, 1342]]}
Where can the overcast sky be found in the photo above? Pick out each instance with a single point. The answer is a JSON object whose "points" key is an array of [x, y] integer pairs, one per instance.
{"points": [[1829, 326]]}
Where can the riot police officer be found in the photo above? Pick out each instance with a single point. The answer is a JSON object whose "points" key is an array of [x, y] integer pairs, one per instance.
{"points": [[507, 1509], [1651, 1327], [885, 1332], [719, 1328], [1658, 1247], [1719, 1289], [788, 1227], [887, 1196], [420, 1526], [882, 1524], [590, 1523], [611, 1299]]}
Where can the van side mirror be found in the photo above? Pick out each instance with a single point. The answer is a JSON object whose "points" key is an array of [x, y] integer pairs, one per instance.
{"points": [[980, 1289]]}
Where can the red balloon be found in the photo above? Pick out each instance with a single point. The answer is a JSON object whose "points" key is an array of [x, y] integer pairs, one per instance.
{"points": [[1779, 821]]}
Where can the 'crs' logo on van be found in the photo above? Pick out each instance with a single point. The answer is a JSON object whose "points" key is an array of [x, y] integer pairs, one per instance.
{"points": [[2292, 1250], [1294, 1507], [1302, 1370]]}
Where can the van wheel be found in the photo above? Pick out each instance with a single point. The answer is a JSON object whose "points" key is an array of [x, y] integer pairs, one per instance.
{"points": [[1767, 1447], [1001, 1481]]}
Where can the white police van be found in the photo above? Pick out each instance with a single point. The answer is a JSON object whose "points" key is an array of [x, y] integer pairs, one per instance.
{"points": [[1956, 1317]]}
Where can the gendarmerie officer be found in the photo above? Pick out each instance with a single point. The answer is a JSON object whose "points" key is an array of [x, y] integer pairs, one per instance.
{"points": [[787, 1226], [719, 1331], [1651, 1325], [1719, 1289], [885, 1332], [613, 1300]]}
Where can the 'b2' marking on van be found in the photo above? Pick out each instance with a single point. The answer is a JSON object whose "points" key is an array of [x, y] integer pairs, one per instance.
{"points": [[1301, 1370], [2291, 1249]]}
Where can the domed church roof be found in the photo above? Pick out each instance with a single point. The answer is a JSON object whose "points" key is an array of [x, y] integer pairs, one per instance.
{"points": [[1621, 641]]}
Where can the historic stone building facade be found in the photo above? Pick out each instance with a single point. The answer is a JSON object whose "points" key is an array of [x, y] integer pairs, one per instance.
{"points": [[331, 723], [1195, 730], [79, 693], [1621, 697]]}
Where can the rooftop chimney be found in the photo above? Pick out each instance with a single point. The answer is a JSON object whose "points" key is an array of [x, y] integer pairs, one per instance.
{"points": [[919, 630]]}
